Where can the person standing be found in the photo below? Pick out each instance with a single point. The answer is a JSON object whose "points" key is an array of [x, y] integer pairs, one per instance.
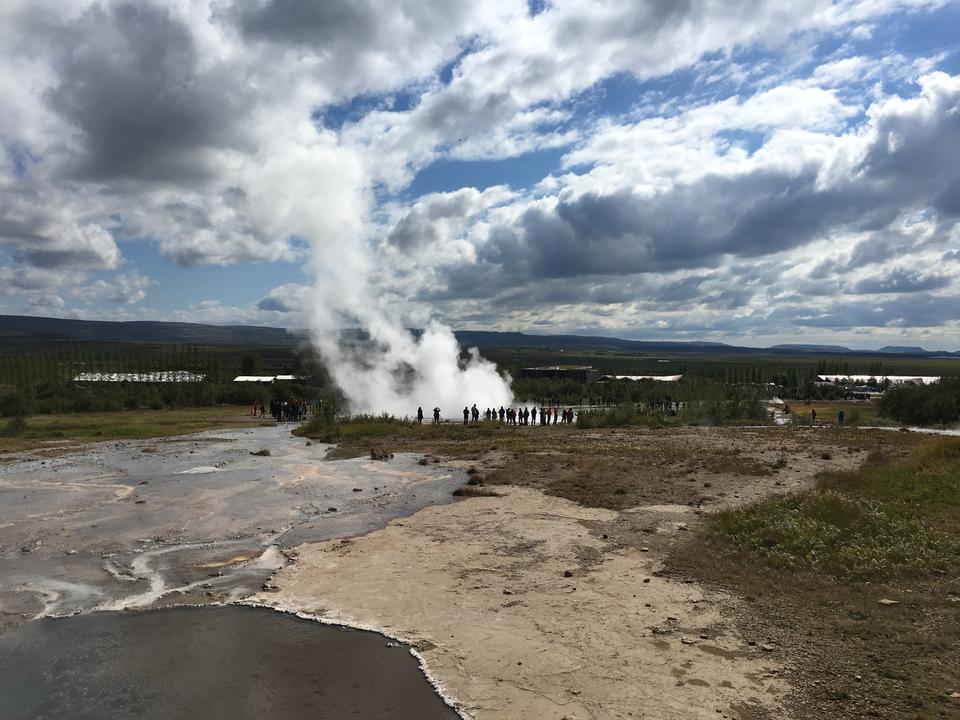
{"points": [[813, 415], [420, 415], [466, 415], [436, 415]]}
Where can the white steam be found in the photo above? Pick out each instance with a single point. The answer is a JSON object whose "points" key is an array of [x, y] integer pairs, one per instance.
{"points": [[391, 370]]}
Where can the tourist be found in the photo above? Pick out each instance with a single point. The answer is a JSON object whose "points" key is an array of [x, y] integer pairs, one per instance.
{"points": [[534, 414], [466, 415], [813, 415], [420, 415], [436, 415], [840, 417], [502, 413]]}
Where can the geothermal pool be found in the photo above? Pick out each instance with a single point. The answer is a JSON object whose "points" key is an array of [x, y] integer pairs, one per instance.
{"points": [[229, 663], [194, 520]]}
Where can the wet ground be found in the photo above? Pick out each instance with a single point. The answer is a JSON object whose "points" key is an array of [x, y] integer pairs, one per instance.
{"points": [[230, 663], [195, 519]]}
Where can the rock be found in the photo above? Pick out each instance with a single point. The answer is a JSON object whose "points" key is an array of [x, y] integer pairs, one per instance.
{"points": [[472, 471], [687, 641], [139, 502], [567, 573], [644, 549], [508, 592], [393, 645], [380, 453], [767, 648], [887, 601], [259, 453], [423, 461], [646, 580], [309, 443], [358, 489], [331, 509]]}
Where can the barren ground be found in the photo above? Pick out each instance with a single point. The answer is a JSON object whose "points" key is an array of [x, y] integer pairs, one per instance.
{"points": [[554, 593]]}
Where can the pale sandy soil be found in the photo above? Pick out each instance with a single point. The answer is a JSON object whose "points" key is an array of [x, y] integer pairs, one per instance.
{"points": [[479, 588]]}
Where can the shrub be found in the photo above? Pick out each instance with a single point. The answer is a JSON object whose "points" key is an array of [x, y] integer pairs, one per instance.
{"points": [[936, 404], [15, 427]]}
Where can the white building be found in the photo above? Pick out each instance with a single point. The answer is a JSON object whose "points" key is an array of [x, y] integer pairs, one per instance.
{"points": [[894, 379]]}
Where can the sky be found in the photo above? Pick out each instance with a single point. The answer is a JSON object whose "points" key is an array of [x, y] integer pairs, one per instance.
{"points": [[748, 171]]}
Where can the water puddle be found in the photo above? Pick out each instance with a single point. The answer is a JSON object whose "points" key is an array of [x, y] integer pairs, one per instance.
{"points": [[229, 663]]}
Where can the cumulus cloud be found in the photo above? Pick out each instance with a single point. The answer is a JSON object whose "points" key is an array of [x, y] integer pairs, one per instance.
{"points": [[123, 289], [228, 131]]}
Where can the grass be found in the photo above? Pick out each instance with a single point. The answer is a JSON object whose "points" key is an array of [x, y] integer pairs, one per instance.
{"points": [[354, 434], [72, 428], [855, 412], [812, 567], [887, 519]]}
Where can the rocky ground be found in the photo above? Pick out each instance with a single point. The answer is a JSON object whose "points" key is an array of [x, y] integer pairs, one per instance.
{"points": [[551, 593]]}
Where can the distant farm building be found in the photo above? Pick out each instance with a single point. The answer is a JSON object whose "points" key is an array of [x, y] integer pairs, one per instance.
{"points": [[657, 378], [578, 373], [160, 376], [267, 379], [894, 379]]}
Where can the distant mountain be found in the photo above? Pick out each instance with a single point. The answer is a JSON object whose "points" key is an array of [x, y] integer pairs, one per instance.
{"points": [[902, 350], [19, 333], [799, 347], [18, 330], [484, 338]]}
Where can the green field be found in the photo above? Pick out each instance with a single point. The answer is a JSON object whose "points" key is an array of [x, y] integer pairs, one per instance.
{"points": [[52, 431]]}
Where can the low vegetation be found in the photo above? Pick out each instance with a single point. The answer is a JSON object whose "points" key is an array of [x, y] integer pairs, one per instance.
{"points": [[855, 579], [888, 519], [936, 404], [67, 428], [713, 404]]}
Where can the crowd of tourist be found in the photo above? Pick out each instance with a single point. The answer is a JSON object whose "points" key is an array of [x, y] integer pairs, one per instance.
{"points": [[511, 416], [282, 410]]}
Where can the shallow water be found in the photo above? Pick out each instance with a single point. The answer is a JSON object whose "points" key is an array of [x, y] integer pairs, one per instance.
{"points": [[226, 662], [191, 519]]}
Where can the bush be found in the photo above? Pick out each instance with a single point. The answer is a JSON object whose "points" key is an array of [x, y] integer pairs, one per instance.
{"points": [[936, 404], [15, 427]]}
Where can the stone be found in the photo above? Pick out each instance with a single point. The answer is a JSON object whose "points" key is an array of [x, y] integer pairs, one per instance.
{"points": [[567, 573]]}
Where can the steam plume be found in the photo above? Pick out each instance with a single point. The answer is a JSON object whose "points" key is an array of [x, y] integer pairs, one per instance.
{"points": [[392, 370]]}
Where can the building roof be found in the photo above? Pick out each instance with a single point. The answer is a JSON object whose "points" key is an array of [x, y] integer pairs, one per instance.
{"points": [[895, 379], [562, 367], [660, 378], [146, 377], [268, 378]]}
